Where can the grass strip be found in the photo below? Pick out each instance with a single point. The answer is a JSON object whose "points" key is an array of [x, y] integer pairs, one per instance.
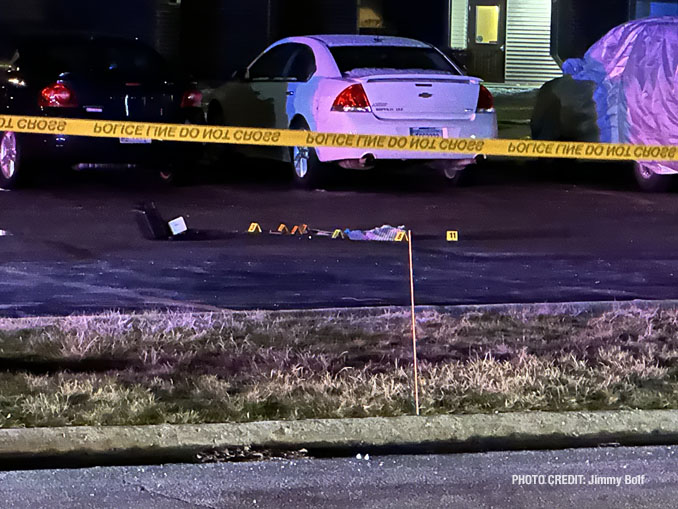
{"points": [[153, 368]]}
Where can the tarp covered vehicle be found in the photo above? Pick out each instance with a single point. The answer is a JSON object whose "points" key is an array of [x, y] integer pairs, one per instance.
{"points": [[624, 90]]}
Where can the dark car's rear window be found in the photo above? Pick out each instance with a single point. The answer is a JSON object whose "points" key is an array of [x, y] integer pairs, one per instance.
{"points": [[350, 58], [114, 58]]}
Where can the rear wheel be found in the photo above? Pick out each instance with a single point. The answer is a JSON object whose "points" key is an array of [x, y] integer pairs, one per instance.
{"points": [[309, 171], [11, 162], [650, 181], [456, 173], [185, 157], [169, 176], [216, 153]]}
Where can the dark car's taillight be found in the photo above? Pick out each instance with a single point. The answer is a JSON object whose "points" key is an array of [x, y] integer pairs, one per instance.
{"points": [[191, 99], [57, 95], [485, 100], [352, 98]]}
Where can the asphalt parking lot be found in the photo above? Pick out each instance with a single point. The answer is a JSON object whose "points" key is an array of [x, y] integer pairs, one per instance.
{"points": [[529, 232]]}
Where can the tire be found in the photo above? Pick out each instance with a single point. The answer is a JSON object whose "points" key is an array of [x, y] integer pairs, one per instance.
{"points": [[650, 181], [216, 153], [307, 170], [455, 180], [179, 169], [170, 176], [12, 165], [457, 175]]}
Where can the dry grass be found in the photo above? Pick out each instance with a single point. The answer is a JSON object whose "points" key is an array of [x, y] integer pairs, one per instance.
{"points": [[177, 368]]}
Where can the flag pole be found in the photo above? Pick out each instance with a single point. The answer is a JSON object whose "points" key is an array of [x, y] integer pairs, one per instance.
{"points": [[414, 327]]}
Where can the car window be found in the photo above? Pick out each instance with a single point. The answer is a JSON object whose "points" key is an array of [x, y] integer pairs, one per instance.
{"points": [[273, 64], [129, 60], [54, 57], [349, 58], [302, 66], [111, 58]]}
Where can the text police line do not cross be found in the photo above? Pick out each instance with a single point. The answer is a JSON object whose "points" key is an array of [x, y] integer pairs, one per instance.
{"points": [[286, 137]]}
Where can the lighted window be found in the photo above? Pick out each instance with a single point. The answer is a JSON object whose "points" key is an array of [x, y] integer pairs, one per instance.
{"points": [[487, 24], [370, 14]]}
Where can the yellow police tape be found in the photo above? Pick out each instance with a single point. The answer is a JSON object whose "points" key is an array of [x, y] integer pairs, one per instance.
{"points": [[287, 138]]}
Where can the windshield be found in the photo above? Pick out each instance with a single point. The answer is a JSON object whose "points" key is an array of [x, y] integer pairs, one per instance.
{"points": [[349, 58]]}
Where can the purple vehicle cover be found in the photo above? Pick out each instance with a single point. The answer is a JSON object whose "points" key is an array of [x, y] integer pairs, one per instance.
{"points": [[635, 68]]}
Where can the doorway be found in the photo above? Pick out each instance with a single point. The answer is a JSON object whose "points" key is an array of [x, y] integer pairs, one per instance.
{"points": [[486, 42]]}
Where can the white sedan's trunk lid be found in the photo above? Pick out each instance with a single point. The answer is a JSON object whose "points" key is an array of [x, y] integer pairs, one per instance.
{"points": [[421, 96]]}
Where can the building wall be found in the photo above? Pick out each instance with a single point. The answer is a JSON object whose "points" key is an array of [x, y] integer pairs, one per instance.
{"points": [[131, 18], [575, 29], [166, 36], [427, 21], [156, 22], [306, 17], [458, 23], [221, 36], [214, 37], [528, 42], [528, 39]]}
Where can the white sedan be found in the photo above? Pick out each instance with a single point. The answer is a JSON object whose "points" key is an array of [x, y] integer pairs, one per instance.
{"points": [[355, 84]]}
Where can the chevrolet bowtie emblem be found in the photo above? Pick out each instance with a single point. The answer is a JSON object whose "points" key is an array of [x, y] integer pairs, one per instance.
{"points": [[425, 95]]}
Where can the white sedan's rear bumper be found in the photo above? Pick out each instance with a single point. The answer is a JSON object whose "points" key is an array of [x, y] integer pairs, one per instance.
{"points": [[482, 125]]}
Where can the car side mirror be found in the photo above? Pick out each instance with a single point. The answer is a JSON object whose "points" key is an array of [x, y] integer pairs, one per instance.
{"points": [[240, 75]]}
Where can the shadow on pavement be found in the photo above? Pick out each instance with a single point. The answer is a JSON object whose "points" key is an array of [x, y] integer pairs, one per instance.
{"points": [[388, 178]]}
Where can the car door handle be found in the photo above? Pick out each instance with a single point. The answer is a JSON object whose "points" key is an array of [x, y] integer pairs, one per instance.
{"points": [[290, 92]]}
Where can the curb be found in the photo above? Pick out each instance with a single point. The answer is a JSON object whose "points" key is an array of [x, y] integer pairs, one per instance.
{"points": [[77, 446], [567, 308]]}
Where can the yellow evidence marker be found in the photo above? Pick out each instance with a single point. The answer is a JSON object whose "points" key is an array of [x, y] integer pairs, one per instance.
{"points": [[338, 234], [452, 236], [401, 236], [300, 229], [254, 228]]}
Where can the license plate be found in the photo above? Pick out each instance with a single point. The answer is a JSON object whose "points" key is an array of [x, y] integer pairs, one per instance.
{"points": [[426, 131], [130, 141]]}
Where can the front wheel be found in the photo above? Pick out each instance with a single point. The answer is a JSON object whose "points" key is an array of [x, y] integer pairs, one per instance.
{"points": [[650, 181], [309, 171], [11, 163]]}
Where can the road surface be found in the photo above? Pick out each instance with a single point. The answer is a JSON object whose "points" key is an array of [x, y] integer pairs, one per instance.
{"points": [[528, 233], [643, 477]]}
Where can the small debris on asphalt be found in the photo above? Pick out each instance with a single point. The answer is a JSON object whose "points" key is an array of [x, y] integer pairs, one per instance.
{"points": [[247, 453]]}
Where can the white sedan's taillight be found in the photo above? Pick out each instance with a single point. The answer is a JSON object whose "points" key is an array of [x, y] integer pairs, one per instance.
{"points": [[485, 100], [352, 98]]}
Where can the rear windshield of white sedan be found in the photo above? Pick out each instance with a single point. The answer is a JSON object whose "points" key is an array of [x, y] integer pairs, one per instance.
{"points": [[350, 58]]}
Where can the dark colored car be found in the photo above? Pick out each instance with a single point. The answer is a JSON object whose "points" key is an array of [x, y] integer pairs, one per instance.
{"points": [[92, 78]]}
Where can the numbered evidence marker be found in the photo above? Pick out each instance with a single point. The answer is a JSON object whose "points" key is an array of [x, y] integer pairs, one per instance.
{"points": [[282, 230], [338, 234], [301, 229], [452, 236], [254, 228], [401, 236]]}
